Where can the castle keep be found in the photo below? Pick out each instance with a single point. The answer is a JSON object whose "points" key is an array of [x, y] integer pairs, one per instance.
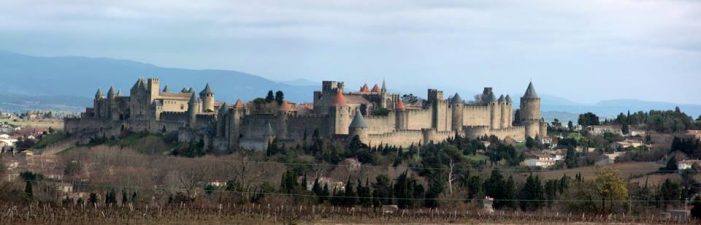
{"points": [[376, 116]]}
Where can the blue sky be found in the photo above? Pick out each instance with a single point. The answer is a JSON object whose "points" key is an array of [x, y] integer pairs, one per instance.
{"points": [[585, 51]]}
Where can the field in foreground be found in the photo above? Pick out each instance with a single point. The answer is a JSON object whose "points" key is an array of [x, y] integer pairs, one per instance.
{"points": [[626, 170], [258, 214]]}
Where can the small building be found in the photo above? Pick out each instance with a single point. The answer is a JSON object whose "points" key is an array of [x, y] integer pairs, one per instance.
{"points": [[602, 129], [542, 160], [609, 158], [687, 164], [627, 143]]}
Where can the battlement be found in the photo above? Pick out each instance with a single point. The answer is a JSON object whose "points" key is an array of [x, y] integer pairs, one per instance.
{"points": [[308, 116]]}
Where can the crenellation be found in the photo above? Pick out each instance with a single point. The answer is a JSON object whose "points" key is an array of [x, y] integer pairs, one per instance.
{"points": [[243, 125]]}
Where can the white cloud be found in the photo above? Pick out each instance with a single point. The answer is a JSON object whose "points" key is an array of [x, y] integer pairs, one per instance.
{"points": [[473, 43]]}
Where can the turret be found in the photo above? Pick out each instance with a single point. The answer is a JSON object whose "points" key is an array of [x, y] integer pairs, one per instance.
{"points": [[97, 103], [364, 89], [192, 111], [401, 115], [509, 111], [234, 126], [99, 95], [358, 127], [494, 111], [221, 120], [111, 94], [207, 97], [530, 112], [375, 89], [165, 89], [458, 108], [503, 112], [154, 89], [339, 114], [138, 87]]}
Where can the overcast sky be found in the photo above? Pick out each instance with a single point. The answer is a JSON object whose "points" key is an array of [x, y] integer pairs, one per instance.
{"points": [[585, 51]]}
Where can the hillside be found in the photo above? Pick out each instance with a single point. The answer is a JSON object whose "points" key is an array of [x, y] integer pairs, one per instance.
{"points": [[77, 78]]}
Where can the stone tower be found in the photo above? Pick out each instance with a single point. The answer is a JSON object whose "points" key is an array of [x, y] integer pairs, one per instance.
{"points": [[339, 113], [439, 109], [503, 111], [222, 121], [154, 89], [192, 111], [98, 102], [530, 112], [111, 96], [235, 117], [207, 97], [509, 111], [358, 127], [457, 105], [401, 115]]}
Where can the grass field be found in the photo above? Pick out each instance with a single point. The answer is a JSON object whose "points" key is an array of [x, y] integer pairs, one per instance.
{"points": [[626, 170]]}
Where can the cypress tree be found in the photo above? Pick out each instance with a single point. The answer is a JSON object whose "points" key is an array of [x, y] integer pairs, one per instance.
{"points": [[28, 189]]}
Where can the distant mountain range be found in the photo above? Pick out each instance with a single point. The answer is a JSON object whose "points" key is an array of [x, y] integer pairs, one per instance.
{"points": [[69, 83], [79, 77]]}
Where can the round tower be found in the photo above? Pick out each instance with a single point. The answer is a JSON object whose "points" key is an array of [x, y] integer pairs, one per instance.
{"points": [[503, 111], [457, 105], [530, 112], [358, 127], [339, 114], [207, 96], [192, 106], [401, 115], [97, 103]]}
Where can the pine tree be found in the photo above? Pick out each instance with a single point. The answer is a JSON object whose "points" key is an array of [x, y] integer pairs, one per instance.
{"points": [[279, 97], [270, 97], [316, 187], [28, 189], [125, 199], [324, 193], [350, 195]]}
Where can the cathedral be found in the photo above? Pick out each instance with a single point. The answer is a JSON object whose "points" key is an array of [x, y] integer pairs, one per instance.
{"points": [[376, 116]]}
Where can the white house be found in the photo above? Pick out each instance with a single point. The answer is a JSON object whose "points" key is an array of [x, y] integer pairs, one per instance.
{"points": [[687, 164]]}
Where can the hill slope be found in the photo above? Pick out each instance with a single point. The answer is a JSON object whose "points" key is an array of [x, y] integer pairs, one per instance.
{"points": [[81, 76]]}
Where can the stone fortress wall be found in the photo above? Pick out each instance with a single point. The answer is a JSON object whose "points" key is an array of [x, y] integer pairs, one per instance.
{"points": [[376, 116]]}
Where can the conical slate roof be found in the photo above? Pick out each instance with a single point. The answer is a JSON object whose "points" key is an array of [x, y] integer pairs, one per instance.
{"points": [[139, 83], [530, 92], [508, 99], [223, 108], [111, 93], [193, 99], [358, 121], [207, 90], [165, 89], [98, 94], [457, 99], [501, 98]]}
